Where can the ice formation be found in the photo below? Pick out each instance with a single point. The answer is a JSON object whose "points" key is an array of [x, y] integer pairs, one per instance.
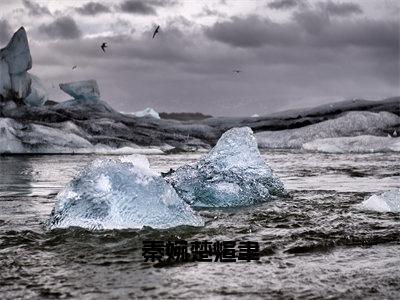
{"points": [[20, 138], [15, 82], [386, 202], [350, 124], [110, 194], [38, 95], [233, 173], [82, 90], [148, 112], [15, 61], [356, 144]]}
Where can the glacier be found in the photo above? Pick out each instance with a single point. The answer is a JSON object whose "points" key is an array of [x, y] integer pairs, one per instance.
{"points": [[388, 201], [353, 123], [233, 173], [120, 194], [356, 144]]}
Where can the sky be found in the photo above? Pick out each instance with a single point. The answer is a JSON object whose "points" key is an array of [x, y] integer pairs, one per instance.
{"points": [[291, 53]]}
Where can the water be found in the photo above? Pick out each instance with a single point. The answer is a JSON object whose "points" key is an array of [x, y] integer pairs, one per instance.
{"points": [[314, 244]]}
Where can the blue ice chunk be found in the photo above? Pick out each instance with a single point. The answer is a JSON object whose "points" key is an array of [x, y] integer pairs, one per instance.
{"points": [[233, 173]]}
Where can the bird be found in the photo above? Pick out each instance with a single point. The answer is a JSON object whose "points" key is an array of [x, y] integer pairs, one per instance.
{"points": [[74, 67], [103, 47], [156, 31], [237, 71]]}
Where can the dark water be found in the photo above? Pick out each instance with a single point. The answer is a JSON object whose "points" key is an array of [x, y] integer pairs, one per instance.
{"points": [[315, 244]]}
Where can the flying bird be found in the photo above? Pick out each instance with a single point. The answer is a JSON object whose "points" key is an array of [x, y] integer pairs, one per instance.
{"points": [[74, 67], [237, 71], [103, 47], [156, 31]]}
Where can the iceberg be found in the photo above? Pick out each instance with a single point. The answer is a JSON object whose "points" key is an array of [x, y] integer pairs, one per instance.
{"points": [[147, 112], [82, 90], [353, 123], [233, 173], [15, 82], [111, 194], [38, 95], [15, 61], [356, 144], [388, 201], [17, 53]]}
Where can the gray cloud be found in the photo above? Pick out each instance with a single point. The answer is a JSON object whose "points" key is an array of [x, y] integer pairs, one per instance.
{"points": [[137, 7], [282, 4], [251, 31], [92, 9], [308, 28], [5, 31], [142, 7], [340, 9], [35, 9], [61, 28]]}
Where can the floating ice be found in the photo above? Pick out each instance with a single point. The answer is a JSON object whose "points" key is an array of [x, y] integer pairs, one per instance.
{"points": [[82, 90], [386, 202], [147, 112], [356, 144], [111, 194], [350, 124], [233, 173]]}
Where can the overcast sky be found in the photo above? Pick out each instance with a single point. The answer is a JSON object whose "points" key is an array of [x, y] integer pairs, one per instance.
{"points": [[292, 53]]}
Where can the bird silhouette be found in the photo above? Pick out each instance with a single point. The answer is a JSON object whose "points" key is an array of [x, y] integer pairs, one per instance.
{"points": [[74, 67], [103, 47], [156, 31], [237, 71]]}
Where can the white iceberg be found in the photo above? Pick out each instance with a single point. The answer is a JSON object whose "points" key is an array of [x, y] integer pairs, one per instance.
{"points": [[110, 194], [356, 144], [147, 112], [353, 123], [386, 202], [82, 90], [233, 173]]}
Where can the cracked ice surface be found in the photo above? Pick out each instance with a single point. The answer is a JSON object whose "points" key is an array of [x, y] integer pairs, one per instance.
{"points": [[110, 194], [233, 173]]}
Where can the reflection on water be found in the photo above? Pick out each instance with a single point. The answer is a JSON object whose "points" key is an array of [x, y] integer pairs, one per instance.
{"points": [[315, 244]]}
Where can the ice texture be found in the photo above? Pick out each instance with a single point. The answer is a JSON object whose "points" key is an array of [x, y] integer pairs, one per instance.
{"points": [[82, 90], [17, 53], [19, 138], [147, 112], [356, 144], [353, 123], [38, 94], [5, 80], [111, 194], [233, 173], [388, 201]]}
